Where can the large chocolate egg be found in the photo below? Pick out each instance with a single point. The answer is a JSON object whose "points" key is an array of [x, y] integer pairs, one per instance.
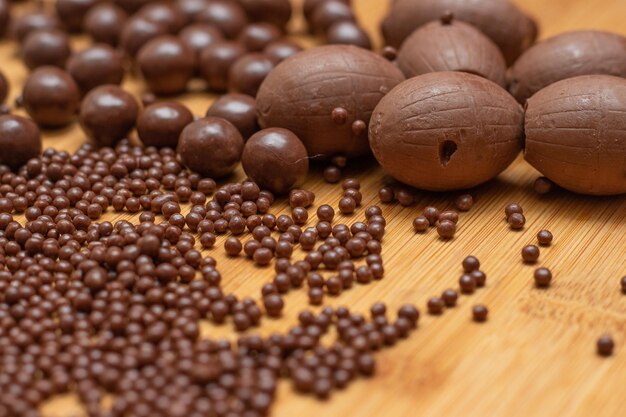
{"points": [[446, 130], [326, 96], [576, 134], [501, 20], [445, 45], [568, 55]]}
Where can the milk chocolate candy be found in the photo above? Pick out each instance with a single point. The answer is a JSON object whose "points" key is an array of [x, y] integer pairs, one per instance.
{"points": [[445, 45], [501, 20], [326, 95], [576, 134], [446, 130], [567, 55]]}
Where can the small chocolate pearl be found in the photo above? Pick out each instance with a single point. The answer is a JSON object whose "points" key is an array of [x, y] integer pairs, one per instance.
{"points": [[104, 23], [479, 313], [167, 64], [316, 296], [274, 305], [467, 283], [449, 297], [161, 124], [46, 47], [542, 185], [405, 197], [300, 215], [605, 345], [544, 237], [51, 97], [386, 194], [95, 66], [432, 214], [216, 61], [421, 224], [339, 116], [332, 174], [347, 205], [233, 246], [480, 277], [137, 32], [435, 306], [516, 221], [239, 109], [471, 263], [623, 283], [543, 277], [325, 213], [450, 215], [513, 208], [390, 53], [464, 202], [446, 229], [262, 256], [530, 253], [248, 72]]}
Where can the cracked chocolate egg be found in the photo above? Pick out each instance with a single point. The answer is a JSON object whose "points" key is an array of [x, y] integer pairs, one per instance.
{"points": [[576, 134], [325, 96], [446, 130]]}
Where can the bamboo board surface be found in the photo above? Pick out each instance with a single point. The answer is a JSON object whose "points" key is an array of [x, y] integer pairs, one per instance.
{"points": [[536, 354]]}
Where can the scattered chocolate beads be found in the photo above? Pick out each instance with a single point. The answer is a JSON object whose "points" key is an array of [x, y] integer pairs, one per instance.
{"points": [[480, 313], [605, 345], [530, 254], [544, 237], [543, 277]]}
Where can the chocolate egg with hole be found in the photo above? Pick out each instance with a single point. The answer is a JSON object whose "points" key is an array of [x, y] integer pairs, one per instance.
{"points": [[446, 131], [325, 96], [576, 134]]}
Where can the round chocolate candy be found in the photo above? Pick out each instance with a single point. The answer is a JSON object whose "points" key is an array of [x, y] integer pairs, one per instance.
{"points": [[211, 146], [239, 109], [275, 159], [308, 93], [160, 124], [228, 16], [446, 130], [108, 114], [104, 23], [19, 141], [199, 36], [445, 45], [167, 64], [576, 134], [97, 65], [137, 32], [256, 36], [163, 13], [567, 55], [72, 12], [51, 97], [25, 24], [281, 50], [502, 21], [330, 12], [215, 63], [348, 33], [46, 47], [248, 72]]}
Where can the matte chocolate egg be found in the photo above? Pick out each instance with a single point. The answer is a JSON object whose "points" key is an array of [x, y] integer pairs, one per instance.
{"points": [[446, 130], [19, 140], [23, 25], [160, 124], [104, 23], [239, 109], [276, 12], [576, 134], [228, 16], [167, 64], [567, 55], [445, 45], [97, 65], [502, 21], [46, 47], [72, 12], [326, 95], [51, 97], [275, 159]]}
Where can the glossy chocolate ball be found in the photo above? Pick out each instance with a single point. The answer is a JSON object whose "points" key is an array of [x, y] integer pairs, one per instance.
{"points": [[160, 124], [72, 12], [108, 114], [163, 13], [46, 47], [4, 87], [276, 12], [248, 72], [23, 25], [104, 23], [348, 33], [228, 16], [211, 146], [199, 36], [281, 50], [137, 32], [256, 36], [239, 109], [330, 12], [215, 63], [167, 64], [51, 97], [19, 141], [275, 159], [95, 66]]}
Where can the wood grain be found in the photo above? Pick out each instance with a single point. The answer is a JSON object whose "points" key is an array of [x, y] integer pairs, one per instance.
{"points": [[536, 354]]}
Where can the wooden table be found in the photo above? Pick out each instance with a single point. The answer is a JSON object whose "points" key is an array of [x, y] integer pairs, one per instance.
{"points": [[536, 354]]}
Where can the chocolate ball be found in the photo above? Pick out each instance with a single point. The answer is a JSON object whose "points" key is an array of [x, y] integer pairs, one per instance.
{"points": [[160, 124], [137, 32], [19, 141], [502, 21], [104, 23], [248, 72], [309, 6], [583, 52], [330, 12], [256, 36], [281, 50], [72, 12], [228, 16], [576, 134], [163, 13], [46, 47], [108, 114], [51, 97], [275, 159], [348, 33], [4, 87], [23, 25], [97, 65], [199, 36], [304, 94], [239, 109], [445, 45], [215, 63], [446, 130], [276, 12], [211, 147], [190, 8], [166, 64]]}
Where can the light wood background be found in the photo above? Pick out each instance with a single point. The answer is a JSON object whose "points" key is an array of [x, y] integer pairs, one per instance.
{"points": [[536, 354]]}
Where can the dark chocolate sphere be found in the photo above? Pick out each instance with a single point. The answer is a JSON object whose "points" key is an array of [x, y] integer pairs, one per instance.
{"points": [[276, 12], [215, 63], [23, 25], [275, 159], [167, 64], [190, 8], [19, 140], [228, 16], [164, 13], [108, 114], [97, 65], [248, 72], [211, 146], [51, 97], [199, 36], [281, 50], [104, 23], [160, 124], [137, 32], [256, 36], [72, 12], [4, 87], [330, 12], [348, 33], [46, 47], [239, 109]]}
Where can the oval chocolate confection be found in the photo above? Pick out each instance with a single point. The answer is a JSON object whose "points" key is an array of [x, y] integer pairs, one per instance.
{"points": [[576, 134], [446, 130], [567, 55], [445, 45], [325, 96], [502, 21]]}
